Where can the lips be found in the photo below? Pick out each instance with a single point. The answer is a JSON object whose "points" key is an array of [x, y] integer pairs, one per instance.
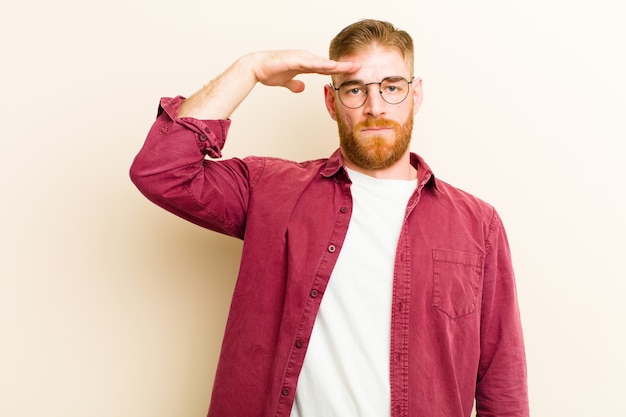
{"points": [[375, 129], [375, 133]]}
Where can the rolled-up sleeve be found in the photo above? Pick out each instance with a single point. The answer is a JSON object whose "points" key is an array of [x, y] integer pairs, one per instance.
{"points": [[172, 170]]}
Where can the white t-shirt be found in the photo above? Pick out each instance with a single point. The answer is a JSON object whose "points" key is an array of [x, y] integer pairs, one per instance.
{"points": [[346, 367]]}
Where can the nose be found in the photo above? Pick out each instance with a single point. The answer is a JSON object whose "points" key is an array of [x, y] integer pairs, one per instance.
{"points": [[374, 103]]}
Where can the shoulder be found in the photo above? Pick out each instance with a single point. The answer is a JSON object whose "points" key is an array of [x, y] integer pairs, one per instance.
{"points": [[462, 201], [266, 169], [278, 165]]}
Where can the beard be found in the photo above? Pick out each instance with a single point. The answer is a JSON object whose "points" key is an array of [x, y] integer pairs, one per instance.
{"points": [[375, 152]]}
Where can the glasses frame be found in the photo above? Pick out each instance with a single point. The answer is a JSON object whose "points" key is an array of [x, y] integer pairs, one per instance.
{"points": [[380, 91]]}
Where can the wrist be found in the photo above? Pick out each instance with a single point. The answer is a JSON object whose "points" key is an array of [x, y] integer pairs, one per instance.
{"points": [[247, 66]]}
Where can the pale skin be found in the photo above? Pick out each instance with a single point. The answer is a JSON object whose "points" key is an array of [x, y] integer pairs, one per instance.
{"points": [[376, 64], [220, 97]]}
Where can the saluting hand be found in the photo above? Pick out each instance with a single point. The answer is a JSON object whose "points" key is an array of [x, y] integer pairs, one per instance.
{"points": [[278, 68], [219, 98]]}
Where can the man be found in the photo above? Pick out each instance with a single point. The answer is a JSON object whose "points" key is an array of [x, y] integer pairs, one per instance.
{"points": [[367, 286]]}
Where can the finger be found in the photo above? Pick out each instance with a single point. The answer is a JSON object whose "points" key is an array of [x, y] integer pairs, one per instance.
{"points": [[306, 62], [347, 66], [337, 67], [295, 86]]}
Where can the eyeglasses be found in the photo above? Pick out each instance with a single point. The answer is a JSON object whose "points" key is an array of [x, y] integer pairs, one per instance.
{"points": [[353, 94]]}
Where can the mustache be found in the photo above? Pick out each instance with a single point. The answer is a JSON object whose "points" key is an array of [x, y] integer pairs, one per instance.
{"points": [[376, 122]]}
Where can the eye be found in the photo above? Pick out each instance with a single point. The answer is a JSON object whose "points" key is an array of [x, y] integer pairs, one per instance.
{"points": [[354, 91], [393, 88]]}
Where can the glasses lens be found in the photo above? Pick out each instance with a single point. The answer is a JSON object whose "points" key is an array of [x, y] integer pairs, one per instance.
{"points": [[394, 90], [353, 95]]}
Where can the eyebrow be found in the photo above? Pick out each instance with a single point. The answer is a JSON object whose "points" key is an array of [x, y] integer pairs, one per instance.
{"points": [[361, 82], [396, 78], [351, 82]]}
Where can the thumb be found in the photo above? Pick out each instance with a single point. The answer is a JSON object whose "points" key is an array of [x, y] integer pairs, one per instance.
{"points": [[295, 86]]}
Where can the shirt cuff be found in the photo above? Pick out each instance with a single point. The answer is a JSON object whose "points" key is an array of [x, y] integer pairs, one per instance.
{"points": [[210, 134]]}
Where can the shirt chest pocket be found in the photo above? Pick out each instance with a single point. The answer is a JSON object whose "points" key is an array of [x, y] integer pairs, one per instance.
{"points": [[456, 281]]}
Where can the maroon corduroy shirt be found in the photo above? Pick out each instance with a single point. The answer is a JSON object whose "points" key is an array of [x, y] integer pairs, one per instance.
{"points": [[455, 331]]}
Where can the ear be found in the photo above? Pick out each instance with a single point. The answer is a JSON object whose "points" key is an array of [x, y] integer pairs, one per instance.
{"points": [[418, 94], [329, 99]]}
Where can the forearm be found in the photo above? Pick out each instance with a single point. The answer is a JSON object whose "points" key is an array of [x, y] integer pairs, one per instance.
{"points": [[220, 97]]}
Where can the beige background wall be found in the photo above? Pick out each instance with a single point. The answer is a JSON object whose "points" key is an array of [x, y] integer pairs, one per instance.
{"points": [[110, 307]]}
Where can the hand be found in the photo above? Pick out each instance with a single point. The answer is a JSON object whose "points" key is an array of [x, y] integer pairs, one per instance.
{"points": [[219, 98], [278, 68]]}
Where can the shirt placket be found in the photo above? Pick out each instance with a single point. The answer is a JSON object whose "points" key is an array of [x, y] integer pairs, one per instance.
{"points": [[399, 348], [313, 302], [400, 315]]}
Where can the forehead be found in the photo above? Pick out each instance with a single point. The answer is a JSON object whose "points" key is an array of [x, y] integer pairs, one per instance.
{"points": [[376, 63]]}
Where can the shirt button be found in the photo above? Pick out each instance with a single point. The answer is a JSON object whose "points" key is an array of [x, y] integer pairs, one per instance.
{"points": [[332, 248], [203, 137], [299, 343], [285, 391], [314, 293], [343, 209]]}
